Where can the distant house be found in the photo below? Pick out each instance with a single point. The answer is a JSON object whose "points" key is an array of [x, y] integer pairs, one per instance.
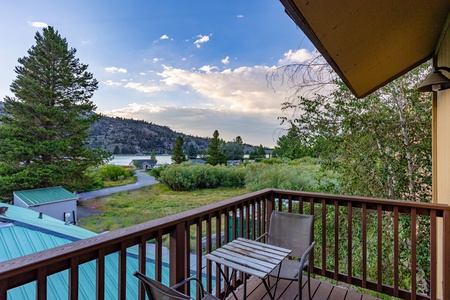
{"points": [[197, 161], [144, 164], [56, 202], [25, 231], [234, 162]]}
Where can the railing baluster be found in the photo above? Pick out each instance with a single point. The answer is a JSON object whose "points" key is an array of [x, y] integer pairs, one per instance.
{"points": [[290, 203], [364, 245], [218, 244], [187, 257], [300, 205], [253, 223], [122, 263], [433, 251], [41, 284], [142, 265], [324, 237], [380, 247], [247, 221], [349, 237], [396, 252], [413, 254], [3, 290], [158, 256], [100, 281], [73, 278], [208, 249], [336, 240], [199, 253]]}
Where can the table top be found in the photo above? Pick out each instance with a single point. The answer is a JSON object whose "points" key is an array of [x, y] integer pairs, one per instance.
{"points": [[248, 256]]}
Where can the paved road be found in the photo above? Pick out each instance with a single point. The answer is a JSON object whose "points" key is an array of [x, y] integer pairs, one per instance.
{"points": [[143, 180]]}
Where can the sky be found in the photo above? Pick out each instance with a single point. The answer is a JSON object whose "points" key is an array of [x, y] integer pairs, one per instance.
{"points": [[195, 66]]}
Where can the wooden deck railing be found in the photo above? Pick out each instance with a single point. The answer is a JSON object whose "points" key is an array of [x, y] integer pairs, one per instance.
{"points": [[343, 232]]}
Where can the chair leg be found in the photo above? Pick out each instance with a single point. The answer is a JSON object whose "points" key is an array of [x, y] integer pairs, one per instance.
{"points": [[309, 283], [300, 284]]}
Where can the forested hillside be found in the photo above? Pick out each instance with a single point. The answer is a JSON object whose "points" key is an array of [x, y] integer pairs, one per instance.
{"points": [[128, 136]]}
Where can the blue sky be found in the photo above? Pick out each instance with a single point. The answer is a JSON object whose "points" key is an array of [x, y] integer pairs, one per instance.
{"points": [[194, 66]]}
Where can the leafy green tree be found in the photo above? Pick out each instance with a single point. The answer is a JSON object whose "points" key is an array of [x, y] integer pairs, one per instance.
{"points": [[233, 151], [291, 146], [380, 145], [215, 155], [116, 150], [177, 155], [239, 140], [153, 156], [43, 134], [192, 151]]}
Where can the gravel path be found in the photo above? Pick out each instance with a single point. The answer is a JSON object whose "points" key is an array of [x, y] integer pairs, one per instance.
{"points": [[143, 180]]}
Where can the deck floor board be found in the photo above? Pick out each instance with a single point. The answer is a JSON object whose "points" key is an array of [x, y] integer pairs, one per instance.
{"points": [[288, 290]]}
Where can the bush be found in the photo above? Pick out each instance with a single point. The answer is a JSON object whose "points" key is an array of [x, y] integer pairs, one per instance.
{"points": [[113, 172], [188, 176]]}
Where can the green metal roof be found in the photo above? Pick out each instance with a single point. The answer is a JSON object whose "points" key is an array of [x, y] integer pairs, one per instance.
{"points": [[23, 233], [45, 195]]}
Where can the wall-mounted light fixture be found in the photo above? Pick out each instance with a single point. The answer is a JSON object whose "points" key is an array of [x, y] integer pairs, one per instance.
{"points": [[436, 81]]}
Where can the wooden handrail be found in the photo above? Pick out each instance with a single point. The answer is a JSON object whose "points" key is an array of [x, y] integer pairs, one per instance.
{"points": [[229, 218]]}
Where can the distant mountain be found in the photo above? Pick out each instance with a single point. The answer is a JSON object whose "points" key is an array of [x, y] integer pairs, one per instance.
{"points": [[128, 136]]}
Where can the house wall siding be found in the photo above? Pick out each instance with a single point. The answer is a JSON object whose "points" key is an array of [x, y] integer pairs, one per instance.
{"points": [[441, 147]]}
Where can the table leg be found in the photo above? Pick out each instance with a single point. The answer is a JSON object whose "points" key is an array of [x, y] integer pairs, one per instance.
{"points": [[228, 281]]}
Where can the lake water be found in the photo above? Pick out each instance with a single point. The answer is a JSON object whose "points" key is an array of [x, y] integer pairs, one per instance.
{"points": [[125, 160]]}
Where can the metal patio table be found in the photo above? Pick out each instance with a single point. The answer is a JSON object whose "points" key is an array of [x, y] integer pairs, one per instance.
{"points": [[250, 257]]}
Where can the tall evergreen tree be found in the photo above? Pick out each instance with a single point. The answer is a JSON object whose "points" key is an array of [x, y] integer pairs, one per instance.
{"points": [[177, 155], [215, 155], [192, 151], [43, 134]]}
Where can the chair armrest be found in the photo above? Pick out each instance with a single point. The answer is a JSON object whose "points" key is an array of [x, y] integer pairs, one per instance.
{"points": [[261, 236], [188, 280], [305, 257]]}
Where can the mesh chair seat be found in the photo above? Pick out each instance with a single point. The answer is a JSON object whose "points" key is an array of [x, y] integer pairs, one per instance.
{"points": [[293, 232], [155, 290]]}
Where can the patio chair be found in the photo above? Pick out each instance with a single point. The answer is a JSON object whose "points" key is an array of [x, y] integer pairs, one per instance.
{"points": [[157, 291], [294, 232]]}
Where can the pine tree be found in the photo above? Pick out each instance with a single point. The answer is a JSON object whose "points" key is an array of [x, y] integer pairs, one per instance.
{"points": [[215, 155], [43, 134], [177, 155]]}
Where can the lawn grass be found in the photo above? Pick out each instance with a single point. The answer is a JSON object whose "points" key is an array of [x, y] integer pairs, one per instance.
{"points": [[133, 207], [111, 183]]}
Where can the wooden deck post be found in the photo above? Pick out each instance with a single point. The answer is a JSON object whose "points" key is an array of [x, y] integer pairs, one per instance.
{"points": [[177, 254]]}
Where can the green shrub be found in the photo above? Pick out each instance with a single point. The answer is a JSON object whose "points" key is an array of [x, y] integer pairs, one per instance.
{"points": [[188, 176], [113, 172]]}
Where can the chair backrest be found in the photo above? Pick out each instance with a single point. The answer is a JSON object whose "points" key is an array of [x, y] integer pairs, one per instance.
{"points": [[157, 291], [291, 231]]}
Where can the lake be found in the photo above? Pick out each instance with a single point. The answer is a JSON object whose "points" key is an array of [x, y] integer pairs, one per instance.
{"points": [[125, 160]]}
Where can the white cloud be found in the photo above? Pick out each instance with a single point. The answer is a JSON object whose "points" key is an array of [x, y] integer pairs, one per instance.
{"points": [[208, 68], [38, 24], [112, 83], [156, 59], [226, 60], [298, 56], [241, 89], [143, 88], [115, 70], [240, 16], [202, 39], [164, 37], [142, 73]]}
